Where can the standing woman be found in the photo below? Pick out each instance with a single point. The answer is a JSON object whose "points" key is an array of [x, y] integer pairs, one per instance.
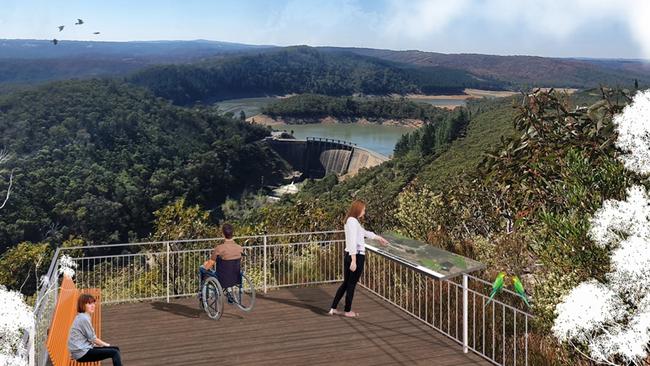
{"points": [[355, 251], [83, 344]]}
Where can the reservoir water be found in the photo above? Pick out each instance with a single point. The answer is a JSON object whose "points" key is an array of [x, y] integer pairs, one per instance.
{"points": [[381, 139], [378, 138]]}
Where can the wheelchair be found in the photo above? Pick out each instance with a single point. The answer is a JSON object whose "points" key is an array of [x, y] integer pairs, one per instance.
{"points": [[239, 292]]}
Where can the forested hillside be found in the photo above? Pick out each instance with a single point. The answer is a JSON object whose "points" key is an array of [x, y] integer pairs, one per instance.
{"points": [[523, 71], [96, 158], [299, 70], [310, 107]]}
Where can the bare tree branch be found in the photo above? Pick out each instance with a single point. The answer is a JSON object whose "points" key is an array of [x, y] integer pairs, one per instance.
{"points": [[4, 157], [11, 181]]}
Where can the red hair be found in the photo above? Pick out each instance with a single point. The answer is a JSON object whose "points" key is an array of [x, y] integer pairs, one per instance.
{"points": [[355, 210]]}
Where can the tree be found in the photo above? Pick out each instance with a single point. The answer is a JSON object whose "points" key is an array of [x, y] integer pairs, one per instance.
{"points": [[4, 157], [636, 84], [20, 266], [242, 116], [608, 321]]}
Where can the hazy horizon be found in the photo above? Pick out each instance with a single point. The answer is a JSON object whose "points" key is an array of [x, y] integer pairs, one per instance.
{"points": [[566, 29], [332, 46]]}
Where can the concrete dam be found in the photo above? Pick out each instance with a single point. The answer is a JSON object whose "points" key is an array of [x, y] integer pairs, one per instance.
{"points": [[317, 157]]}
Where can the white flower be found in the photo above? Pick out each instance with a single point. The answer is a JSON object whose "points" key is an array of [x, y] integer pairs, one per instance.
{"points": [[633, 127], [67, 266], [586, 310], [631, 268], [627, 341], [16, 317], [616, 220]]}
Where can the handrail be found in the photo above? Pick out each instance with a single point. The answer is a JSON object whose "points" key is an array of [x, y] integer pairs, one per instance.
{"points": [[199, 240]]}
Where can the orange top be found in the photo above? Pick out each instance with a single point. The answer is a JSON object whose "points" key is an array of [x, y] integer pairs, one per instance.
{"points": [[229, 250]]}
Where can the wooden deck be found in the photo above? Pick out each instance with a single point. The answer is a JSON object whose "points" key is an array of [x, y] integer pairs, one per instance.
{"points": [[287, 327]]}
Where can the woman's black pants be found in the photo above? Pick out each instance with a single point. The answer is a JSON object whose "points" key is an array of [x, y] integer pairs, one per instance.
{"points": [[102, 353], [350, 280]]}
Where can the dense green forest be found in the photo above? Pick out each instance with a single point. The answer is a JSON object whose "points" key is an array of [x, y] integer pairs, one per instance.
{"points": [[299, 70], [95, 159], [313, 106]]}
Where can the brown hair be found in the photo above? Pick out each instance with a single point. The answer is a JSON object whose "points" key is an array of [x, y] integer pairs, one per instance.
{"points": [[83, 300], [355, 210], [227, 230]]}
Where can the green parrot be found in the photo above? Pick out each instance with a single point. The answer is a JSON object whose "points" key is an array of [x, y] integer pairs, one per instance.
{"points": [[519, 289], [496, 286]]}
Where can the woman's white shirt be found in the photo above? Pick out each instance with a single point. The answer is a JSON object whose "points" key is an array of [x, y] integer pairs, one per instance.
{"points": [[354, 236]]}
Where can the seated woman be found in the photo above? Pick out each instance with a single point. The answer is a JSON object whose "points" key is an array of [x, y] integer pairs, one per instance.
{"points": [[227, 256], [83, 344]]}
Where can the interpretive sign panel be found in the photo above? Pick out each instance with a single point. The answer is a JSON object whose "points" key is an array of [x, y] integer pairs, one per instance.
{"points": [[425, 257]]}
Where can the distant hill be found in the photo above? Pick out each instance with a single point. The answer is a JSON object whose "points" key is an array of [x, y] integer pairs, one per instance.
{"points": [[159, 50], [33, 61], [210, 70], [301, 70], [522, 70]]}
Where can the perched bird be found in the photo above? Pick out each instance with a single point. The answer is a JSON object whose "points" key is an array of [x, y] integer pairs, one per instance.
{"points": [[55, 41], [95, 32], [61, 27], [519, 289], [497, 286], [79, 22]]}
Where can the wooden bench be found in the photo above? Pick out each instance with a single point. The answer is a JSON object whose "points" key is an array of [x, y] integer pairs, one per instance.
{"points": [[64, 314]]}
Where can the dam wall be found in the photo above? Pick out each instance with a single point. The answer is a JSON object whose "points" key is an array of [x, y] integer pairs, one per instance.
{"points": [[317, 157]]}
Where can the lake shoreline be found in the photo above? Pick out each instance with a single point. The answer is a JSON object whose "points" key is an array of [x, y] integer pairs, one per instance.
{"points": [[265, 120]]}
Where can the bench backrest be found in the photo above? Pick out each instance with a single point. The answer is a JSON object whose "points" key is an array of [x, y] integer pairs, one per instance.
{"points": [[64, 314]]}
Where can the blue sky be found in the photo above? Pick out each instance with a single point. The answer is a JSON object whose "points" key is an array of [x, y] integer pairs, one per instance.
{"points": [[567, 28]]}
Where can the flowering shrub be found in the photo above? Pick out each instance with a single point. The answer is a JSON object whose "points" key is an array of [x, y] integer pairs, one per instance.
{"points": [[16, 317], [611, 319]]}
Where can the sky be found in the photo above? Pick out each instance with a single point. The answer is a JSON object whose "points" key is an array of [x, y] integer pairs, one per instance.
{"points": [[556, 28]]}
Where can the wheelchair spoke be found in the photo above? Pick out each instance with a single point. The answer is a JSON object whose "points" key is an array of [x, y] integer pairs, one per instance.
{"points": [[212, 298], [244, 294]]}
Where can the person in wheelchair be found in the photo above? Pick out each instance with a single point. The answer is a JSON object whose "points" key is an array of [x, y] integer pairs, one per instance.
{"points": [[227, 257]]}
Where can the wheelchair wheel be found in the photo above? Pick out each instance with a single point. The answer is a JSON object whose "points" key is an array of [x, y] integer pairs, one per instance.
{"points": [[212, 296], [244, 294]]}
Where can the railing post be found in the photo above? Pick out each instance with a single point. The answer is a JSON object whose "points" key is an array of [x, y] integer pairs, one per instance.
{"points": [[465, 311], [265, 263], [31, 345], [167, 272]]}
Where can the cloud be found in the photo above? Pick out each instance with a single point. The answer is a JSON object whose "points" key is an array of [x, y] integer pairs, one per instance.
{"points": [[639, 23], [418, 19], [317, 22], [552, 19]]}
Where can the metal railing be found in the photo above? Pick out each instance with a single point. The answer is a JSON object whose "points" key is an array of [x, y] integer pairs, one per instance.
{"points": [[168, 269], [455, 307], [165, 270]]}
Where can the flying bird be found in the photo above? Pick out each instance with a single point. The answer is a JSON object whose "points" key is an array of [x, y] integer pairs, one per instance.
{"points": [[497, 286], [79, 22], [61, 27], [519, 289], [55, 41], [95, 32]]}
